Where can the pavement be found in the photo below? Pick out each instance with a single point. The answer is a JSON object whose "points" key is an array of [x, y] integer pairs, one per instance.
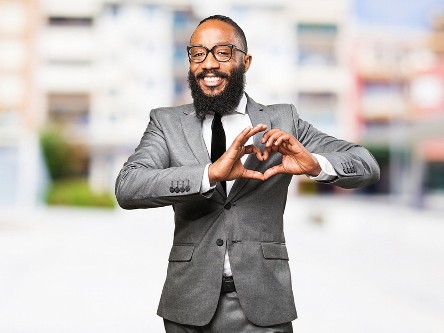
{"points": [[358, 265]]}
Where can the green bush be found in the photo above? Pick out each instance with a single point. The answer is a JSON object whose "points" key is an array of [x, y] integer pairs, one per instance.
{"points": [[76, 192], [56, 153]]}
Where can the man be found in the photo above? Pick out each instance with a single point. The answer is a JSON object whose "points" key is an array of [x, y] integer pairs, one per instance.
{"points": [[228, 267]]}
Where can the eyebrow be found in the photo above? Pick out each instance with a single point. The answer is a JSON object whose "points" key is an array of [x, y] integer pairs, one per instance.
{"points": [[223, 43]]}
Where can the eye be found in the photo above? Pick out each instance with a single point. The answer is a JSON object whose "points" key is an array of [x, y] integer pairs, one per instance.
{"points": [[197, 52], [223, 50]]}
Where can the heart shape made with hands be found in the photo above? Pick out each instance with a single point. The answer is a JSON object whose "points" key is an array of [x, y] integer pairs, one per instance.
{"points": [[296, 159]]}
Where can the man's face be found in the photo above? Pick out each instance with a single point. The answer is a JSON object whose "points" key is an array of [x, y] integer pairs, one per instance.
{"points": [[211, 75]]}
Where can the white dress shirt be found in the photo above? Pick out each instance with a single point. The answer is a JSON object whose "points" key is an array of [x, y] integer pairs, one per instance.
{"points": [[233, 123]]}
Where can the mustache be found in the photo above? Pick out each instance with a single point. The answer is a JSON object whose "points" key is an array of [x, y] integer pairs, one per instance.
{"points": [[205, 72]]}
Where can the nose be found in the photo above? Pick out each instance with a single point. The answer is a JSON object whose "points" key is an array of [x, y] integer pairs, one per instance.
{"points": [[210, 62]]}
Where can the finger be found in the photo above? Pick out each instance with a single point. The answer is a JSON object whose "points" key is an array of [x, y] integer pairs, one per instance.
{"points": [[271, 149], [256, 129], [293, 146], [269, 133], [272, 136], [266, 153], [247, 133], [275, 148], [277, 169], [284, 149], [252, 174], [255, 150], [283, 138], [277, 137]]}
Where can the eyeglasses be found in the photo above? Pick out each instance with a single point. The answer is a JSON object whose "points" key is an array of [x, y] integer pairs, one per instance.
{"points": [[221, 53]]}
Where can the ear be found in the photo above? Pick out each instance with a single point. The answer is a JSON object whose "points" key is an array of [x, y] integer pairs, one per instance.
{"points": [[247, 61]]}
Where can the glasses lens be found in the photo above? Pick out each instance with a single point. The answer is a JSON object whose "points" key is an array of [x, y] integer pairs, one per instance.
{"points": [[197, 54], [222, 52]]}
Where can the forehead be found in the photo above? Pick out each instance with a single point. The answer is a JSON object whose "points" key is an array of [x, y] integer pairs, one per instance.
{"points": [[214, 32]]}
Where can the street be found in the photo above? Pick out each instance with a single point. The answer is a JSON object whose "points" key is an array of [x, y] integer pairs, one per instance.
{"points": [[358, 266]]}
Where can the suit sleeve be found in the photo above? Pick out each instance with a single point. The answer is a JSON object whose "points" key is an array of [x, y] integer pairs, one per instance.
{"points": [[354, 164], [148, 180]]}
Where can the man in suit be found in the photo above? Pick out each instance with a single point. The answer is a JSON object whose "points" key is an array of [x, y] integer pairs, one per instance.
{"points": [[228, 267]]}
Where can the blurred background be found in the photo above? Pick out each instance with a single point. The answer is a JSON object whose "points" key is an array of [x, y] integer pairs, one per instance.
{"points": [[77, 82]]}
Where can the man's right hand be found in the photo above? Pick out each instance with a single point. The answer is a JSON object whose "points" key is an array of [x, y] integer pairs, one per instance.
{"points": [[229, 165]]}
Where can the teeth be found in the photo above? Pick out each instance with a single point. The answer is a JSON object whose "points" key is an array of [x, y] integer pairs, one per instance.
{"points": [[212, 78]]}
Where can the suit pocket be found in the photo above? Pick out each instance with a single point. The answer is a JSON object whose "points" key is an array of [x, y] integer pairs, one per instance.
{"points": [[274, 251], [181, 253]]}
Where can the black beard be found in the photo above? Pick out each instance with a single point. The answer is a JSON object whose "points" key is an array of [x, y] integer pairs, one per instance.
{"points": [[222, 103]]}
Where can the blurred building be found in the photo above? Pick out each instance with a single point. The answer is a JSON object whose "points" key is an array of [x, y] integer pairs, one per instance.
{"points": [[19, 155], [101, 66], [96, 68], [398, 97]]}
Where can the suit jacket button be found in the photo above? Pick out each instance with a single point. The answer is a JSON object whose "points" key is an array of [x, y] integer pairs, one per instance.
{"points": [[219, 242], [228, 206]]}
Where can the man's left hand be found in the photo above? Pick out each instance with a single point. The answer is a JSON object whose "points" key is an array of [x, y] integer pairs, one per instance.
{"points": [[296, 160]]}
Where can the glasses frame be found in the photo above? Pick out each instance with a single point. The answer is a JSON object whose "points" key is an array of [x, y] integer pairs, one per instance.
{"points": [[232, 47]]}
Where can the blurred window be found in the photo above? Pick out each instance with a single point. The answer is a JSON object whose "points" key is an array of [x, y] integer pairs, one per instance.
{"points": [[180, 54], [383, 100], [150, 9], [69, 110], [182, 20], [179, 87], [318, 107], [183, 25], [113, 9], [69, 62], [10, 117], [317, 44], [434, 177], [181, 91], [9, 169], [70, 21], [13, 17]]}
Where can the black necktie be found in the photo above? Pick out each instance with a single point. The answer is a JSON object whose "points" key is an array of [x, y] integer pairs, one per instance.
{"points": [[218, 141]]}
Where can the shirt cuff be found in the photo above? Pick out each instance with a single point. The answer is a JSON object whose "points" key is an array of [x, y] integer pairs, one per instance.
{"points": [[205, 185], [327, 171]]}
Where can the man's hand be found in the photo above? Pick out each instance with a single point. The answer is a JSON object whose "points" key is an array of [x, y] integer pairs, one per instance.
{"points": [[296, 160], [229, 165]]}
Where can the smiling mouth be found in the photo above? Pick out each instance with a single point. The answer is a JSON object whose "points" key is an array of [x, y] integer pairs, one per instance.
{"points": [[212, 81]]}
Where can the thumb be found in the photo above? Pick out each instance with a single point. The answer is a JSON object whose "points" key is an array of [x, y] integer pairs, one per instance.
{"points": [[277, 169]]}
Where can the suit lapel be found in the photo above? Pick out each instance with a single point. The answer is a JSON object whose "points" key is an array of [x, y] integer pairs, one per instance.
{"points": [[257, 116], [192, 128]]}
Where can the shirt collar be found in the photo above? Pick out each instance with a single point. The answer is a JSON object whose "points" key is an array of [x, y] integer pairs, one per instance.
{"points": [[242, 107]]}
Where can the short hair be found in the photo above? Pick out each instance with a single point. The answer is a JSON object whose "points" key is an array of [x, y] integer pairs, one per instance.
{"points": [[237, 28]]}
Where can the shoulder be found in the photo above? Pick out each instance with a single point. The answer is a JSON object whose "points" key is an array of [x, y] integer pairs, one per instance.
{"points": [[273, 108], [281, 107], [280, 110], [172, 111]]}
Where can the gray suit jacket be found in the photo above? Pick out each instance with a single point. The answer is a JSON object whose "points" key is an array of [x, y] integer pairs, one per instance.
{"points": [[167, 168]]}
